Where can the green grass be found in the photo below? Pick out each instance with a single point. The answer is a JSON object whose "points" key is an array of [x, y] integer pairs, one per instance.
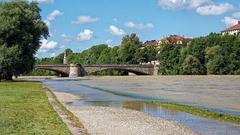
{"points": [[75, 121], [24, 109], [200, 112]]}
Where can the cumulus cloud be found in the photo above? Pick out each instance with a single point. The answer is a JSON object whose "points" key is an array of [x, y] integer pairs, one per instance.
{"points": [[85, 19], [139, 26], [214, 9], [198, 3], [86, 34], [202, 7], [182, 4], [114, 30], [229, 21], [52, 17], [47, 45]]}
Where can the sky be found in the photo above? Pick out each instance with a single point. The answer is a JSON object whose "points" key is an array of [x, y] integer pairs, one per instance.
{"points": [[80, 24]]}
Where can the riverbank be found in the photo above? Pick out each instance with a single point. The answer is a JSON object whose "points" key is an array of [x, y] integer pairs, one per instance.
{"points": [[218, 93], [108, 121], [25, 109]]}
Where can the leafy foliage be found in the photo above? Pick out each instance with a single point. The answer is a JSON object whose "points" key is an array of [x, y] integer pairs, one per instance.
{"points": [[21, 29], [212, 54]]}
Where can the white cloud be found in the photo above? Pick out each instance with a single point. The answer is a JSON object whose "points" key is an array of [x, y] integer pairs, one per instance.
{"points": [[47, 45], [197, 3], [139, 26], [214, 9], [43, 1], [202, 7], [85, 35], [229, 21], [114, 30], [182, 4], [85, 19], [52, 16], [236, 15]]}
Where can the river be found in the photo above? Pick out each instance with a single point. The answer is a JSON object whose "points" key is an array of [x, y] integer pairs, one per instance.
{"points": [[94, 96]]}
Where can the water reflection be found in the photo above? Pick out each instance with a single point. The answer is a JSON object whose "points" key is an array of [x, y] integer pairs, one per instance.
{"points": [[96, 97]]}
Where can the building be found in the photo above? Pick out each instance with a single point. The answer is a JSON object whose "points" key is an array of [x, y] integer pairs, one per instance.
{"points": [[152, 43], [176, 40], [172, 39], [233, 30]]}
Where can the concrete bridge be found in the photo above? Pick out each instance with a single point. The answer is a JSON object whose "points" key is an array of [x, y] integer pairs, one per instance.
{"points": [[77, 70]]}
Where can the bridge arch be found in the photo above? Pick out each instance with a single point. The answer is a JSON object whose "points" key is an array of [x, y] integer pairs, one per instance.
{"points": [[62, 70], [91, 71], [136, 69], [76, 70]]}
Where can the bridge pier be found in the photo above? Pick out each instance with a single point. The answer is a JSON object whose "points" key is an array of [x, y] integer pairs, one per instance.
{"points": [[76, 70], [155, 71]]}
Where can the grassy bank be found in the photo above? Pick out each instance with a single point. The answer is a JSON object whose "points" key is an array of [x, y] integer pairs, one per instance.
{"points": [[24, 109], [200, 112], [75, 121]]}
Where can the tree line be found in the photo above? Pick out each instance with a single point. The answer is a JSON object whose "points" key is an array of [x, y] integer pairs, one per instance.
{"points": [[22, 28], [213, 54]]}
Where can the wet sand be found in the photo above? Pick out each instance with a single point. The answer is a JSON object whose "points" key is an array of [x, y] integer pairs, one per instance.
{"points": [[217, 92], [109, 121]]}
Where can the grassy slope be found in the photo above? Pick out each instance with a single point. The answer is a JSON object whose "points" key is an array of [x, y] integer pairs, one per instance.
{"points": [[200, 112], [24, 109]]}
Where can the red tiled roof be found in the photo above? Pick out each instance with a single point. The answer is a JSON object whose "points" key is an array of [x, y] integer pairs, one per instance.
{"points": [[235, 27], [175, 38]]}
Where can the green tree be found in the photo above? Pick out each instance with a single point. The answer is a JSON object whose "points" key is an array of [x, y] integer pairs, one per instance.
{"points": [[169, 58], [128, 48], [215, 60], [146, 54], [191, 66], [21, 29]]}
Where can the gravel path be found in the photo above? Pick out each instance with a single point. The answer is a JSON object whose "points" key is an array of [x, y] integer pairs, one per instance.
{"points": [[114, 121]]}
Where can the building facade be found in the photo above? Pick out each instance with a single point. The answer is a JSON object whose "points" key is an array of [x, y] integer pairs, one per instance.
{"points": [[233, 30]]}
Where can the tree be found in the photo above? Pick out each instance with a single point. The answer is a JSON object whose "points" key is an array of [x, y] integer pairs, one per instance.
{"points": [[146, 54], [128, 48], [215, 60], [21, 29], [191, 66], [169, 58]]}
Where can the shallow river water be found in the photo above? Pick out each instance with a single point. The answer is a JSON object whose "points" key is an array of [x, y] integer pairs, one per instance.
{"points": [[98, 97]]}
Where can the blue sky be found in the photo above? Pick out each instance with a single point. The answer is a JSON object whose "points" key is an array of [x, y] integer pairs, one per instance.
{"points": [[79, 24]]}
